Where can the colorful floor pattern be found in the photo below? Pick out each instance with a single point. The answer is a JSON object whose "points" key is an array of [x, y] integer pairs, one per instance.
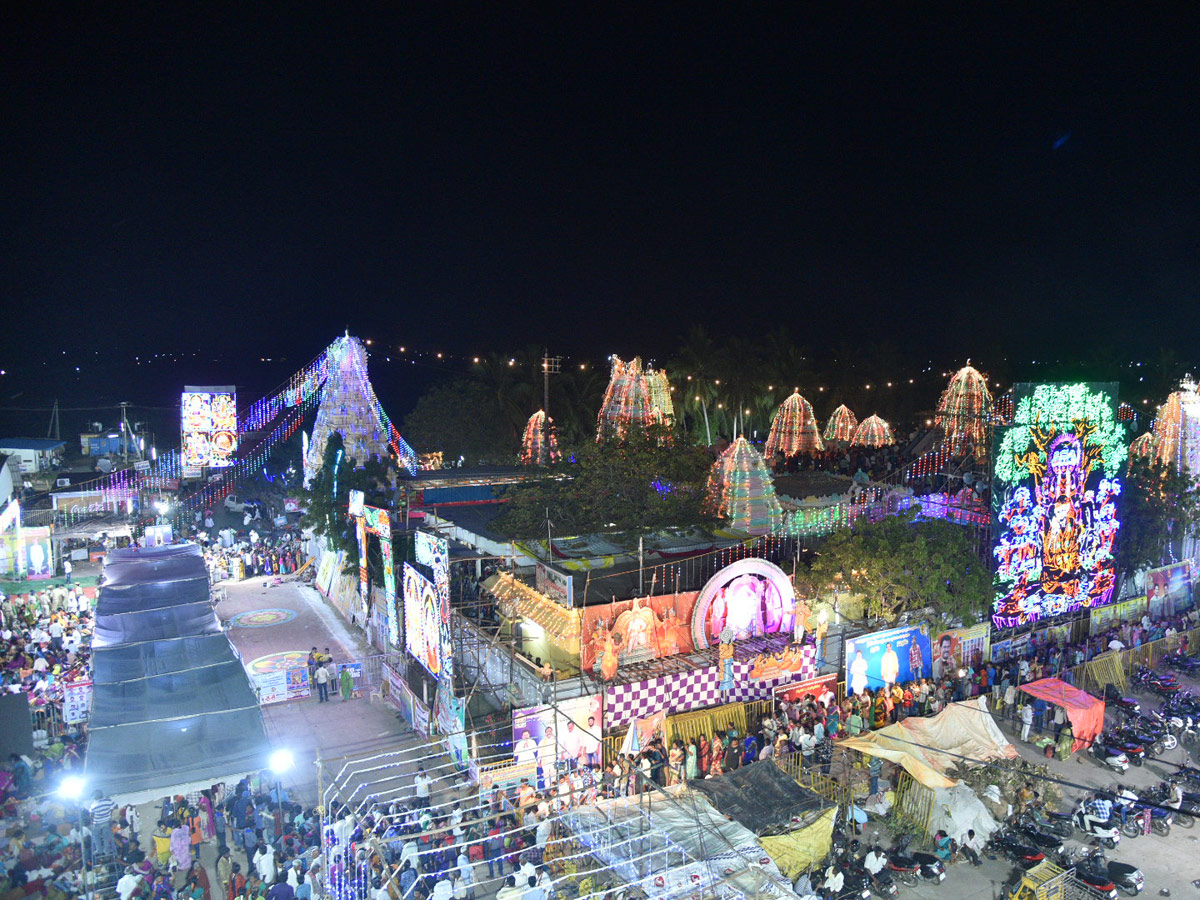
{"points": [[262, 618]]}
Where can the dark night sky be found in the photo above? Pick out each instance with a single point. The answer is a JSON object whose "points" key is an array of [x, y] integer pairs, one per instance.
{"points": [[491, 179]]}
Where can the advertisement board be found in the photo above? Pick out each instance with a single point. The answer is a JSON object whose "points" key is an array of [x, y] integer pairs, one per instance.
{"points": [[628, 631], [887, 657], [450, 716], [1169, 589], [434, 551], [554, 584], [1109, 617], [1054, 498], [422, 621], [208, 426], [824, 689], [957, 647], [569, 736]]}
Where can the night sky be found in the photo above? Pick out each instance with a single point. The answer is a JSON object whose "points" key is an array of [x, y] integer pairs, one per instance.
{"points": [[1001, 180]]}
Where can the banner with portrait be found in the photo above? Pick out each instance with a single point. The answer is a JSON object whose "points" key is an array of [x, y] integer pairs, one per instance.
{"points": [[887, 657], [958, 647], [824, 689], [1169, 590], [636, 630], [569, 735]]}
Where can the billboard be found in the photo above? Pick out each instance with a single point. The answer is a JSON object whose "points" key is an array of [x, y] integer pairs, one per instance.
{"points": [[887, 657], [434, 551], [824, 689], [422, 622], [1054, 499], [570, 735], [554, 584], [208, 426], [1169, 589], [628, 631], [960, 646]]}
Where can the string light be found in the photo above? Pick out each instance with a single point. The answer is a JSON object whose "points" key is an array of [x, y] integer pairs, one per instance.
{"points": [[539, 444], [873, 432], [964, 409], [793, 429], [741, 490], [635, 398], [1177, 426], [841, 426]]}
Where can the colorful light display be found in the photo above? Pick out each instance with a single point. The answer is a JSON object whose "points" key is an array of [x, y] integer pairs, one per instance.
{"points": [[208, 426], [841, 426], [1142, 446], [1055, 501], [964, 410], [794, 429], [434, 551], [635, 398], [539, 444], [741, 490], [873, 432], [370, 520], [1177, 429]]}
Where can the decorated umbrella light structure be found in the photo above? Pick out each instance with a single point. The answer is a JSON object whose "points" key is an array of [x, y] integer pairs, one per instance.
{"points": [[794, 429], [539, 445], [964, 409], [841, 426], [740, 489], [635, 398], [873, 432], [1142, 446], [1177, 429]]}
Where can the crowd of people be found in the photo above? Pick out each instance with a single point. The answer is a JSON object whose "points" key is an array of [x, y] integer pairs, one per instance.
{"points": [[265, 555]]}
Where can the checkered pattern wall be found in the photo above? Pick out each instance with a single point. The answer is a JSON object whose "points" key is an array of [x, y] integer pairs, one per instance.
{"points": [[694, 690]]}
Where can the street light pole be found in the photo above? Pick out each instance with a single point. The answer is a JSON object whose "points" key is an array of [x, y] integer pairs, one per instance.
{"points": [[71, 789]]}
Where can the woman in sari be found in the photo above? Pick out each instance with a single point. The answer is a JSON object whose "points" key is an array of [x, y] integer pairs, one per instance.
{"points": [[705, 755], [181, 845]]}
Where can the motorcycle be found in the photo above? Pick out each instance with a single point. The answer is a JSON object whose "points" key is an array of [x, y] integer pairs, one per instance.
{"points": [[1133, 751], [1160, 820], [1058, 823], [1110, 757], [1185, 811], [1015, 849], [882, 884], [1045, 842], [1152, 745], [926, 865], [852, 887], [1181, 662], [1106, 831], [1128, 879], [1114, 700]]}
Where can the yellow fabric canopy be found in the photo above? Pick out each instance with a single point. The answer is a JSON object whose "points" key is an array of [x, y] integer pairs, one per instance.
{"points": [[798, 851]]}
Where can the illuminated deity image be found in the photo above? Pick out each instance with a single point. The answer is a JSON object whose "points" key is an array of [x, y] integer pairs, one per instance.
{"points": [[1055, 552], [749, 605]]}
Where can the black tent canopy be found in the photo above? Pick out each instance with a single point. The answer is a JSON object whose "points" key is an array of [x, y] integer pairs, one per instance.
{"points": [[126, 661]]}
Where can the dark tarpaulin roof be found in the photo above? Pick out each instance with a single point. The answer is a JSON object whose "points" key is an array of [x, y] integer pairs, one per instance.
{"points": [[116, 599], [143, 761], [152, 565], [127, 661], [760, 796], [196, 691], [155, 624]]}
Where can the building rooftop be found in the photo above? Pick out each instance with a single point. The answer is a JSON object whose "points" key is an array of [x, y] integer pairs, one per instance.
{"points": [[19, 443]]}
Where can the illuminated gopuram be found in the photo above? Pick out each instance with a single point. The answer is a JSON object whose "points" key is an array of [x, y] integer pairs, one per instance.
{"points": [[635, 398]]}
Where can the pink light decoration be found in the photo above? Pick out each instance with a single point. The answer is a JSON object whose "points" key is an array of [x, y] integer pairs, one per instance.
{"points": [[873, 432], [794, 429], [539, 445], [841, 426], [1142, 446]]}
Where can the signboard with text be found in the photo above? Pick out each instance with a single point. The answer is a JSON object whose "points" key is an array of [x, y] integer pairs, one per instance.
{"points": [[554, 584]]}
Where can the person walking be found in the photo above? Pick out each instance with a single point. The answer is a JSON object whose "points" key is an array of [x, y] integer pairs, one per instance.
{"points": [[1026, 721], [322, 683]]}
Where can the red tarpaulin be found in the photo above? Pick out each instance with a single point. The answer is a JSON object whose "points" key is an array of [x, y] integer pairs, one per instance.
{"points": [[1085, 712]]}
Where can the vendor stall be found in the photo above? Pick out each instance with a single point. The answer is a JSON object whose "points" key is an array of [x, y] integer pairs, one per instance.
{"points": [[1085, 712]]}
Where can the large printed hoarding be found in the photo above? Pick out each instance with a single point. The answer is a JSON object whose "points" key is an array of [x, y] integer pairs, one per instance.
{"points": [[1169, 589], [434, 551], [209, 425], [422, 622], [1055, 501], [824, 689], [887, 657], [958, 647], [570, 736]]}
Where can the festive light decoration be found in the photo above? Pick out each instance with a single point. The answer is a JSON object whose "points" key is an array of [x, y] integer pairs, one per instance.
{"points": [[841, 426], [1142, 446], [824, 516], [794, 429], [539, 444], [1176, 429], [371, 520], [635, 398], [1056, 502], [1003, 409], [964, 409], [349, 407], [741, 490], [873, 432], [1126, 413]]}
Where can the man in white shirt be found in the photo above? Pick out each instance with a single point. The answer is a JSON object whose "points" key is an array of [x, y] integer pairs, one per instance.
{"points": [[128, 883], [570, 744], [1115, 644], [971, 847], [527, 748], [422, 784], [874, 861]]}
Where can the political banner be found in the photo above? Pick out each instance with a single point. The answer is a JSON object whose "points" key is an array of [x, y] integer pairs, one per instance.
{"points": [[1169, 589], [960, 647], [77, 701], [824, 689], [887, 657]]}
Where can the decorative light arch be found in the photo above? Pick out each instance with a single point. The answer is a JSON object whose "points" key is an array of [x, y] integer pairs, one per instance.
{"points": [[761, 568]]}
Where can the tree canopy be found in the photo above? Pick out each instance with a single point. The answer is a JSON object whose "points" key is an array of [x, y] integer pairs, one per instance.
{"points": [[639, 484], [1158, 506], [329, 495], [462, 418], [907, 563]]}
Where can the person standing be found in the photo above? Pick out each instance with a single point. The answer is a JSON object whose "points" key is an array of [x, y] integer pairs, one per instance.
{"points": [[67, 569], [422, 784], [102, 837], [322, 683], [1026, 720], [347, 682]]}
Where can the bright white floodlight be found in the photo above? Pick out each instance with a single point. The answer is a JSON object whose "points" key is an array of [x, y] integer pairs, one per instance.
{"points": [[71, 788], [281, 761]]}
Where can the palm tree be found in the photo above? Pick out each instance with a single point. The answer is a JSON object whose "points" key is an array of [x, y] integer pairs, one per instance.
{"points": [[693, 371]]}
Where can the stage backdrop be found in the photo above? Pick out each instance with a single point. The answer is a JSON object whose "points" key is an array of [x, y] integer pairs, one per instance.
{"points": [[642, 628]]}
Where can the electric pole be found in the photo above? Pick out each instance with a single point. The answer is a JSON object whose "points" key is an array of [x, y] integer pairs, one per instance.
{"points": [[551, 365]]}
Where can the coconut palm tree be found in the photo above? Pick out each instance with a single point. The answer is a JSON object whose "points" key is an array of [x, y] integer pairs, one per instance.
{"points": [[693, 372]]}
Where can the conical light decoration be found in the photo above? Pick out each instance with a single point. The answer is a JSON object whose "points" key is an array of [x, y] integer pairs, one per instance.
{"points": [[873, 432], [740, 489], [1177, 429], [539, 445], [964, 409], [635, 398], [1142, 446], [841, 426], [794, 429], [349, 407]]}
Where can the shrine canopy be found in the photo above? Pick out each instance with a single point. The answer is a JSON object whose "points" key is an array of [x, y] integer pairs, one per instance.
{"points": [[1085, 712]]}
